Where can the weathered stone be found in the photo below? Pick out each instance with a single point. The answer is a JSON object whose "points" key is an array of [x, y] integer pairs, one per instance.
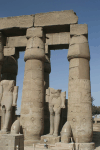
{"points": [[78, 29], [32, 120], [58, 38], [9, 51], [50, 139], [18, 41], [32, 32], [66, 133], [24, 21], [85, 146], [60, 31], [79, 51], [78, 39], [79, 69], [15, 128], [63, 146], [12, 142], [55, 18]]}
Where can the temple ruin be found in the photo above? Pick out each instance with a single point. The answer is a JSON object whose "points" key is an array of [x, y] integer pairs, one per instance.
{"points": [[37, 35]]}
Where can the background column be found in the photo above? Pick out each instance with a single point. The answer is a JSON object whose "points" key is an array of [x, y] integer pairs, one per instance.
{"points": [[32, 105], [47, 70], [2, 41], [79, 88]]}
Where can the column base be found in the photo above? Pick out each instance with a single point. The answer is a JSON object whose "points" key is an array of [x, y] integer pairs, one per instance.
{"points": [[50, 139], [84, 146], [12, 142], [31, 142]]}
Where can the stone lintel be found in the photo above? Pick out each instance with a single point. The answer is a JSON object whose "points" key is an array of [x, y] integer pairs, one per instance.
{"points": [[33, 32], [24, 21], [55, 18], [58, 38], [18, 41], [78, 29]]}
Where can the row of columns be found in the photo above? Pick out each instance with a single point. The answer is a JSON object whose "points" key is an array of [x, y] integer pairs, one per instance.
{"points": [[36, 77]]}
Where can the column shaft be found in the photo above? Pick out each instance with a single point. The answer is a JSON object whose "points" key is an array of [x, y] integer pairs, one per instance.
{"points": [[47, 70], [79, 89], [32, 106]]}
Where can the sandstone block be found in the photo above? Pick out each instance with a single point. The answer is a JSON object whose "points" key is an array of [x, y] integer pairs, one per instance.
{"points": [[32, 32], [79, 69], [18, 41], [24, 21], [55, 18], [78, 39], [58, 38], [9, 51], [50, 139], [35, 42], [12, 142], [68, 146], [78, 29], [79, 51], [34, 53], [85, 146]]}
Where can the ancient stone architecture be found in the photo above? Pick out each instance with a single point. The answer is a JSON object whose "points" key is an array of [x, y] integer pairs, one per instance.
{"points": [[37, 35]]}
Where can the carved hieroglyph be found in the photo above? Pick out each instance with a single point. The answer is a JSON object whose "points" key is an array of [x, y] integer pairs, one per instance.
{"points": [[56, 100], [32, 110], [8, 98], [79, 88]]}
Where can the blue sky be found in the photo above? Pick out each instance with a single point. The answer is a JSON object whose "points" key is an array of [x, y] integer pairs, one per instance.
{"points": [[88, 11]]}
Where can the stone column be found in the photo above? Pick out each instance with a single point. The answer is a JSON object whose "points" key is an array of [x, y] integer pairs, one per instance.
{"points": [[1, 63], [79, 88], [32, 106], [47, 70]]}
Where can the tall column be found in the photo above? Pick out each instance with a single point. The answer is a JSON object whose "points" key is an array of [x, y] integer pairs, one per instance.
{"points": [[1, 63], [32, 105], [79, 88], [47, 70]]}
